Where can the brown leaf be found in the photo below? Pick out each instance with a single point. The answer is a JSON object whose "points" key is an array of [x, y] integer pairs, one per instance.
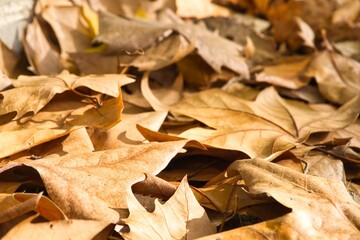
{"points": [[352, 131], [181, 217], [10, 63], [71, 29], [115, 33], [269, 111], [5, 81], [162, 98], [132, 8], [349, 49], [226, 195], [37, 91], [65, 229], [125, 132], [155, 187], [320, 207], [59, 117], [269, 141], [43, 55], [17, 204], [148, 34], [86, 186], [286, 72], [282, 15], [337, 76], [240, 27], [322, 165], [346, 13]]}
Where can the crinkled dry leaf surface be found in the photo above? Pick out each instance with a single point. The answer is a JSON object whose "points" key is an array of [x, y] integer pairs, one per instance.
{"points": [[337, 76], [56, 116], [88, 185], [181, 217], [37, 91], [142, 35], [321, 207], [106, 105]]}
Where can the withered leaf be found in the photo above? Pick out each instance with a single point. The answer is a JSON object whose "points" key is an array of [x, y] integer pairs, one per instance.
{"points": [[321, 207], [181, 217], [37, 91], [65, 229], [87, 186], [337, 76], [156, 33]]}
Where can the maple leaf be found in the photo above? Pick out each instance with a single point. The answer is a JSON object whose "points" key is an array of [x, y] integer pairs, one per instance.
{"points": [[148, 34], [270, 121], [181, 217], [270, 111], [56, 118], [37, 91], [86, 186], [274, 81], [321, 207]]}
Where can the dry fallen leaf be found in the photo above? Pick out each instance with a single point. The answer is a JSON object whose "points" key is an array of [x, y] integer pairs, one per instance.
{"points": [[79, 184], [131, 8], [148, 34], [287, 72], [72, 30], [18, 204], [125, 131], [43, 56], [320, 207], [37, 91], [270, 111], [181, 217], [60, 116], [65, 229], [336, 75], [162, 98], [200, 9], [269, 91]]}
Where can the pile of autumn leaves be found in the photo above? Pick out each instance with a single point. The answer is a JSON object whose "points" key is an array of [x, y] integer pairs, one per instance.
{"points": [[273, 152]]}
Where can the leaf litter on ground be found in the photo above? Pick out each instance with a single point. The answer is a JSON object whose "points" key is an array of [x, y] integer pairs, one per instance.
{"points": [[179, 120]]}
